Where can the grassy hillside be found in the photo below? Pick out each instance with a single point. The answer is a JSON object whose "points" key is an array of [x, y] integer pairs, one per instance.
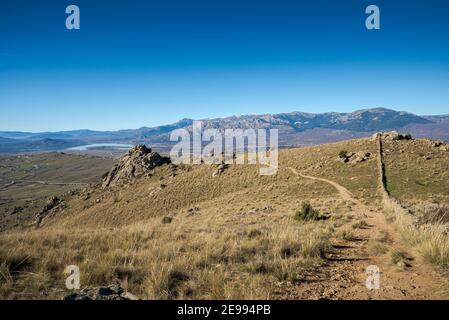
{"points": [[182, 233], [417, 171]]}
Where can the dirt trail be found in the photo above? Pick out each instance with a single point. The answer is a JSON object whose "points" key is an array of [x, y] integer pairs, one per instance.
{"points": [[44, 182], [344, 275], [344, 193]]}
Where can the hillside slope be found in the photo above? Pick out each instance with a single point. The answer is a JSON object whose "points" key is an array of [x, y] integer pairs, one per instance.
{"points": [[180, 232]]}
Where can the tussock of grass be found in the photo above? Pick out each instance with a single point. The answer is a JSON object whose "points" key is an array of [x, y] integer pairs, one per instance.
{"points": [[432, 213], [314, 246], [376, 247], [347, 235], [13, 262], [430, 240], [360, 225], [383, 236], [435, 249], [397, 257]]}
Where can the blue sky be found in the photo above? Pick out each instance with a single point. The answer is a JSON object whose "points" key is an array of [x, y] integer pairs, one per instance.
{"points": [[146, 63]]}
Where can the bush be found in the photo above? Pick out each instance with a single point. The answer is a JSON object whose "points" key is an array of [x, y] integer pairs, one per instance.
{"points": [[166, 220], [342, 154], [306, 213]]}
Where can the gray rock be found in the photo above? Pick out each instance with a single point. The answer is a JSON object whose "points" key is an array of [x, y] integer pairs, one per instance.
{"points": [[351, 157], [395, 136], [136, 163], [112, 292], [221, 168], [51, 207]]}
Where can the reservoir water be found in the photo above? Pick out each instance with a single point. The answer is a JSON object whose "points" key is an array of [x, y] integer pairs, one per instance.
{"points": [[116, 146]]}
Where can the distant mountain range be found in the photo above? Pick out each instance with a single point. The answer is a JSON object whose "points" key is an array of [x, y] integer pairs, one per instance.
{"points": [[295, 129]]}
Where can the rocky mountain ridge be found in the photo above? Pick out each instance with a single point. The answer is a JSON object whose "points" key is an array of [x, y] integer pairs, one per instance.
{"points": [[295, 129]]}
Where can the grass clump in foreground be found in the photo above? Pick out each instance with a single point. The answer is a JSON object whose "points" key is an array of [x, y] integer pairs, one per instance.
{"points": [[307, 213], [153, 261], [360, 225], [377, 248], [347, 235], [398, 257], [431, 240]]}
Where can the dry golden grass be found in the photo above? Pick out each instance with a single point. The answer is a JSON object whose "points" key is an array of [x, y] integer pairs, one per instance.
{"points": [[376, 247], [430, 240], [346, 234], [425, 231], [417, 171], [231, 237], [323, 161], [157, 261]]}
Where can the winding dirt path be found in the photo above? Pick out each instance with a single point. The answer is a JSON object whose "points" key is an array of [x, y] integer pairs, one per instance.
{"points": [[344, 193], [44, 182], [344, 274]]}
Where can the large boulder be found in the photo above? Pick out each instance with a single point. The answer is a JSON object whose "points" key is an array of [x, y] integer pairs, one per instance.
{"points": [[395, 136], [136, 163], [360, 156], [354, 157]]}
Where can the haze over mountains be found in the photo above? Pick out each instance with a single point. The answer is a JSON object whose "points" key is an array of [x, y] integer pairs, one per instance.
{"points": [[295, 129]]}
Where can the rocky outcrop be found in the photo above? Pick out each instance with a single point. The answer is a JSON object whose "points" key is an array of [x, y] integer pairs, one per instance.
{"points": [[354, 157], [138, 162], [438, 144], [392, 136], [52, 206], [112, 292], [220, 169]]}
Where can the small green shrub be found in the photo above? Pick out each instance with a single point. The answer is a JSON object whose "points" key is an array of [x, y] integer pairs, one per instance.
{"points": [[342, 154], [166, 220], [306, 213]]}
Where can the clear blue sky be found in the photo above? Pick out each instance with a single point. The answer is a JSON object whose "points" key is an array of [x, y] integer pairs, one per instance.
{"points": [[146, 63]]}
